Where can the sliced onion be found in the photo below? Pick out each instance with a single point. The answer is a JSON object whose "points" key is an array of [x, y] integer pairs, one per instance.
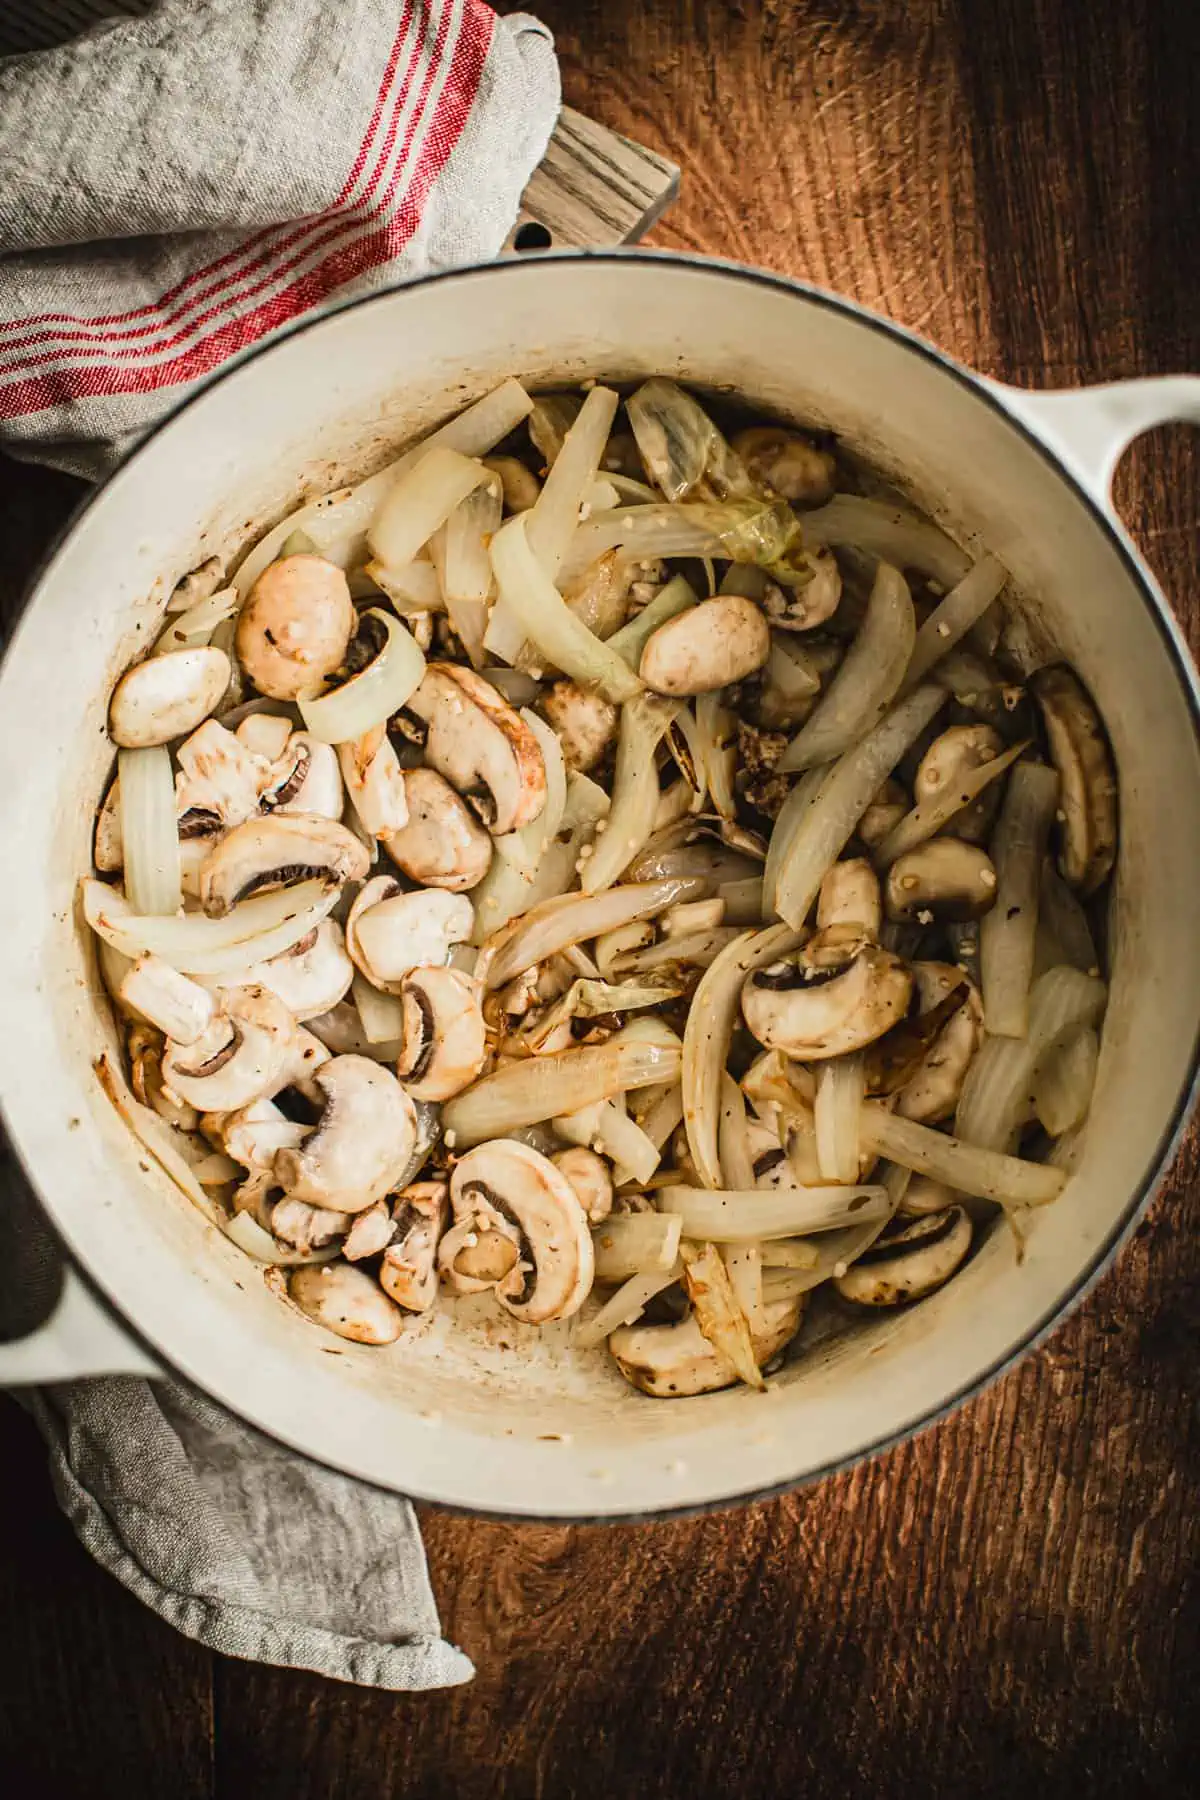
{"points": [[191, 629], [592, 999], [790, 1253], [867, 679], [382, 1015], [635, 790], [607, 1128], [155, 1137], [1064, 1079], [532, 599], [629, 1244], [710, 1022], [150, 830], [552, 519], [716, 728], [901, 538], [256, 929], [1008, 1180], [743, 901], [765, 532], [627, 1304], [337, 522], [469, 531], [420, 501], [745, 1266], [792, 816], [732, 1216], [246, 1232], [544, 1087], [928, 816], [516, 687], [369, 699], [718, 1312], [413, 589], [575, 919], [841, 1088], [954, 616], [675, 597], [997, 1095], [1008, 932], [661, 1118], [1065, 922], [843, 797], [733, 1138]]}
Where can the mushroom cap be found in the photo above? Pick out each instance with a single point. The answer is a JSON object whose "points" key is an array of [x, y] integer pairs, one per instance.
{"points": [[409, 1272], [810, 1009], [482, 747], [850, 896], [390, 932], [908, 1260], [370, 1233], [789, 462], [1087, 780], [313, 975], [244, 1054], [360, 1145], [443, 844], [508, 1182], [709, 646], [944, 878], [591, 1177], [669, 1362], [347, 1302], [166, 696], [584, 723], [445, 1040], [295, 626], [278, 851], [952, 754]]}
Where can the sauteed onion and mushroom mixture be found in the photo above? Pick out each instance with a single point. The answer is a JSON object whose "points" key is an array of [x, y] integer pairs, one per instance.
{"points": [[614, 864]]}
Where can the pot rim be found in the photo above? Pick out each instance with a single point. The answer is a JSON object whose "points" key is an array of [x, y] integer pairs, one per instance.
{"points": [[991, 394]]}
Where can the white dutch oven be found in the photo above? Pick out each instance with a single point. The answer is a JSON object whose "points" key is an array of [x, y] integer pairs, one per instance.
{"points": [[485, 1415]]}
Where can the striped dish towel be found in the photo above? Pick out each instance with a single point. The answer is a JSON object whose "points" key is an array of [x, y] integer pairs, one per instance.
{"points": [[186, 179]]}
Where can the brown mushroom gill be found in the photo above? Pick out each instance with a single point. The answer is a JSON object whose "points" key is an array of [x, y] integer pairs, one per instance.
{"points": [[526, 1262]]}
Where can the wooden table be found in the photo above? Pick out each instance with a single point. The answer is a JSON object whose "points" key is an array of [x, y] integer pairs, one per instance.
{"points": [[1010, 1603]]}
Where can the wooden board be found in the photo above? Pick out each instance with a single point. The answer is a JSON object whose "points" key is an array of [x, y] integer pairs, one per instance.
{"points": [[1010, 1604], [593, 188]]}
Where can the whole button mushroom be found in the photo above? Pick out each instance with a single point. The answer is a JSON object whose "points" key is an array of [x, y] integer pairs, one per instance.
{"points": [[909, 1260], [788, 462], [944, 879], [709, 646], [295, 627], [166, 696]]}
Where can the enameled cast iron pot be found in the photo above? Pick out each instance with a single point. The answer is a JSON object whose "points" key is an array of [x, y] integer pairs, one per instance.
{"points": [[489, 1416]]}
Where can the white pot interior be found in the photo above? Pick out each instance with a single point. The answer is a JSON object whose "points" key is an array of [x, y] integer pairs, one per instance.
{"points": [[468, 1408]]}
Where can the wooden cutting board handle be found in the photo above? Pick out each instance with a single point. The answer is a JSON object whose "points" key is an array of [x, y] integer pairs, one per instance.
{"points": [[593, 189]]}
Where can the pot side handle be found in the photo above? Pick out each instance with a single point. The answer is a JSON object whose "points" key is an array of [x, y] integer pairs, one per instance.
{"points": [[1089, 429], [80, 1338]]}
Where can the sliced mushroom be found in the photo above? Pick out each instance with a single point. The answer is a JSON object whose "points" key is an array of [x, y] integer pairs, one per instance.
{"points": [[361, 1144], [312, 976], [253, 1135], [909, 1260], [932, 1093], [883, 815], [443, 844], [850, 896], [390, 932], [347, 1302], [709, 646], [408, 1271], [789, 462], [265, 734], [445, 1043], [181, 1009], [671, 1361], [166, 696], [305, 779], [943, 879], [924, 1195], [370, 1234], [586, 724], [833, 998], [520, 485], [791, 680], [243, 1055], [507, 1183], [145, 1046], [591, 1178], [1088, 783], [951, 755], [375, 782], [278, 851], [219, 781], [804, 608], [306, 1227], [482, 747], [295, 627]]}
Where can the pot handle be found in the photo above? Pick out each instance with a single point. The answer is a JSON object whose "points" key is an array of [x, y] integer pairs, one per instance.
{"points": [[1089, 429], [81, 1337]]}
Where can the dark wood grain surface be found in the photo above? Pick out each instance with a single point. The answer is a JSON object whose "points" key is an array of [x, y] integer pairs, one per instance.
{"points": [[1009, 1604]]}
